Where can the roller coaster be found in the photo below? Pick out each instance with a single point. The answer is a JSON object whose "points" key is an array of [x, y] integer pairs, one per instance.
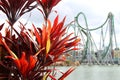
{"points": [[100, 49]]}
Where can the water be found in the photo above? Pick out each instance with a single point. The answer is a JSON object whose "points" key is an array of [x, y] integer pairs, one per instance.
{"points": [[95, 72]]}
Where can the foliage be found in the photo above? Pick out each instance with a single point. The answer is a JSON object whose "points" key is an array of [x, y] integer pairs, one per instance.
{"points": [[28, 54]]}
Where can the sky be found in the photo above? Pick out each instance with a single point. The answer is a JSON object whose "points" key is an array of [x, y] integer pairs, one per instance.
{"points": [[96, 12]]}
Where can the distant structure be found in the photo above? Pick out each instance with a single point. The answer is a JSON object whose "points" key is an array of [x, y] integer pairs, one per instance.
{"points": [[92, 53]]}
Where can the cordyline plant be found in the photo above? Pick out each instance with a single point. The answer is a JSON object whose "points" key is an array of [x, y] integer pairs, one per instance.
{"points": [[47, 6], [28, 54], [14, 9]]}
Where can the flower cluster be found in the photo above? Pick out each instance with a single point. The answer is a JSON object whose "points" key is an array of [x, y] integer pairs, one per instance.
{"points": [[27, 55]]}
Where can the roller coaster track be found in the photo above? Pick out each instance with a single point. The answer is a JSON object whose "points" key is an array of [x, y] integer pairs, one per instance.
{"points": [[91, 53]]}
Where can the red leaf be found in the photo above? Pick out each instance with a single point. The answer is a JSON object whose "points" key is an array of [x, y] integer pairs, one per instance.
{"points": [[66, 73], [55, 24], [52, 77], [1, 26], [37, 35]]}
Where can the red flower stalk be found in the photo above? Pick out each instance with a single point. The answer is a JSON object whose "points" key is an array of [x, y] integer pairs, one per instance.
{"points": [[47, 6], [14, 9], [55, 41], [24, 64]]}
